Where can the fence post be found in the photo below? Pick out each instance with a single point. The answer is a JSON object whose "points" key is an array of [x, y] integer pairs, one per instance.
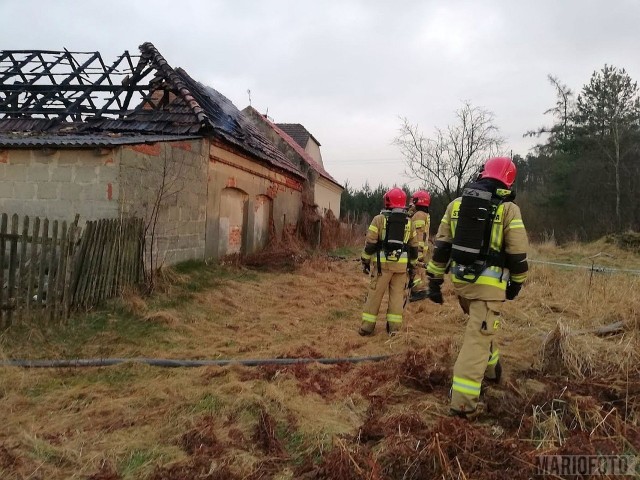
{"points": [[32, 269], [50, 297], [95, 264], [81, 266], [103, 285], [23, 279], [13, 257], [68, 291], [60, 274], [43, 261], [3, 232]]}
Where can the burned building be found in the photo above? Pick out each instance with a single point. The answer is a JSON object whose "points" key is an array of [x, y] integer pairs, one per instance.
{"points": [[137, 137]]}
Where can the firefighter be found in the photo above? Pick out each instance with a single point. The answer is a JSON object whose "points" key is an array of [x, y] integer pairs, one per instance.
{"points": [[420, 218], [488, 261], [392, 244]]}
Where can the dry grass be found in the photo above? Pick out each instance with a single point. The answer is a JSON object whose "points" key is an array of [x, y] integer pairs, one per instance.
{"points": [[563, 392], [565, 354]]}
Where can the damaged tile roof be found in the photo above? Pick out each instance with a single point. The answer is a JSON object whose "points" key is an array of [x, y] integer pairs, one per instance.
{"points": [[229, 123], [76, 99], [85, 140]]}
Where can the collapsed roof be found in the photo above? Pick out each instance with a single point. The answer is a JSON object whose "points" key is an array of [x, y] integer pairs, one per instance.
{"points": [[76, 99]]}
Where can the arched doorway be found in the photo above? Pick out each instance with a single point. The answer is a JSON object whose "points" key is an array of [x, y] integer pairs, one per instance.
{"points": [[233, 219], [261, 221]]}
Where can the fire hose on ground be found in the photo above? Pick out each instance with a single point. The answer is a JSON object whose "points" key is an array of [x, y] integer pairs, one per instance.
{"points": [[170, 363], [174, 363]]}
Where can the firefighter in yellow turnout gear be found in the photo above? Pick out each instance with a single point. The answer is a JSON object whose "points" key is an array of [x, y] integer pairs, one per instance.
{"points": [[421, 220], [392, 245], [498, 271]]}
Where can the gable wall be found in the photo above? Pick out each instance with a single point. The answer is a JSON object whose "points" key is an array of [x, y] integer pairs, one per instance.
{"points": [[327, 196], [313, 149]]}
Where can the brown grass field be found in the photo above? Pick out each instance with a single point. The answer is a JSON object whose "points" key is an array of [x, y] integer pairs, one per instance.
{"points": [[566, 391]]}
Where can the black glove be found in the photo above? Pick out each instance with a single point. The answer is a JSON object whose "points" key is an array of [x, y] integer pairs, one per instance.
{"points": [[411, 270], [435, 293], [366, 266], [513, 289]]}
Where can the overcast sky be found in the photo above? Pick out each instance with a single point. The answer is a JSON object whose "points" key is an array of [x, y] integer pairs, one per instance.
{"points": [[347, 69]]}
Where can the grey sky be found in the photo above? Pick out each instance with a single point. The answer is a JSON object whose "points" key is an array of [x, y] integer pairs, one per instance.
{"points": [[346, 69]]}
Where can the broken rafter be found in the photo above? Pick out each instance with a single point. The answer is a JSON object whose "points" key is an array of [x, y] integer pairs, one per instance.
{"points": [[111, 70], [16, 66], [138, 74], [77, 74], [74, 75], [73, 88], [86, 95]]}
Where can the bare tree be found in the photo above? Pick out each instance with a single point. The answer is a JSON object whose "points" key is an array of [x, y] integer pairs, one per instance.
{"points": [[167, 188], [563, 112], [446, 162], [155, 183]]}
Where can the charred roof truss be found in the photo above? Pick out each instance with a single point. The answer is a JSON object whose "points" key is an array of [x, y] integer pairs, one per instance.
{"points": [[71, 86]]}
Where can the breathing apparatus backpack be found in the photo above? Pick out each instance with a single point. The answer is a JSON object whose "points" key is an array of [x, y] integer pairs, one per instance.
{"points": [[471, 250], [393, 243]]}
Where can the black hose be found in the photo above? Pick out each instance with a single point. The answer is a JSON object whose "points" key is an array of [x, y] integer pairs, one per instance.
{"points": [[163, 362]]}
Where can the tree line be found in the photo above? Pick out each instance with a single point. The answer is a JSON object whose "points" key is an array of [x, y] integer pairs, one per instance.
{"points": [[580, 182]]}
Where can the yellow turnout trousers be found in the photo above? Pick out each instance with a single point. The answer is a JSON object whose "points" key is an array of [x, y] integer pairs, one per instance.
{"points": [[479, 353], [420, 280], [395, 283]]}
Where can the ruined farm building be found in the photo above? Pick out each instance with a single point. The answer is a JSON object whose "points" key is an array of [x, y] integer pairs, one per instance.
{"points": [[135, 136]]}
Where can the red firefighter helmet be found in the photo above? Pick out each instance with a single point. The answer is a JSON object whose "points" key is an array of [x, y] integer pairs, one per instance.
{"points": [[395, 198], [421, 198], [500, 168]]}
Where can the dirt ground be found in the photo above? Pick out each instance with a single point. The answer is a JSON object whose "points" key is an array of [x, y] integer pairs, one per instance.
{"points": [[563, 392]]}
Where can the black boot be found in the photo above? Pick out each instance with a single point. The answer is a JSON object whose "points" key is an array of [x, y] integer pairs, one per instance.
{"points": [[472, 415], [417, 296], [392, 330], [367, 329], [498, 371]]}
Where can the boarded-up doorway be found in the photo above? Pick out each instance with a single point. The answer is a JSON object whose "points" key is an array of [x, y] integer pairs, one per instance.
{"points": [[261, 221], [233, 219]]}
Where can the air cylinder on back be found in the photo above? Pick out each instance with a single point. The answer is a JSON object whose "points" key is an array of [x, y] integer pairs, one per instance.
{"points": [[473, 217]]}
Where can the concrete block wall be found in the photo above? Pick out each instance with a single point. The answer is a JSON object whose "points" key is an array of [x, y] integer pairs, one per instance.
{"points": [[182, 214], [126, 180], [60, 183]]}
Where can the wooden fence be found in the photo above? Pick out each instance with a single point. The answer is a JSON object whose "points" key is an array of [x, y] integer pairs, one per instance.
{"points": [[49, 268]]}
